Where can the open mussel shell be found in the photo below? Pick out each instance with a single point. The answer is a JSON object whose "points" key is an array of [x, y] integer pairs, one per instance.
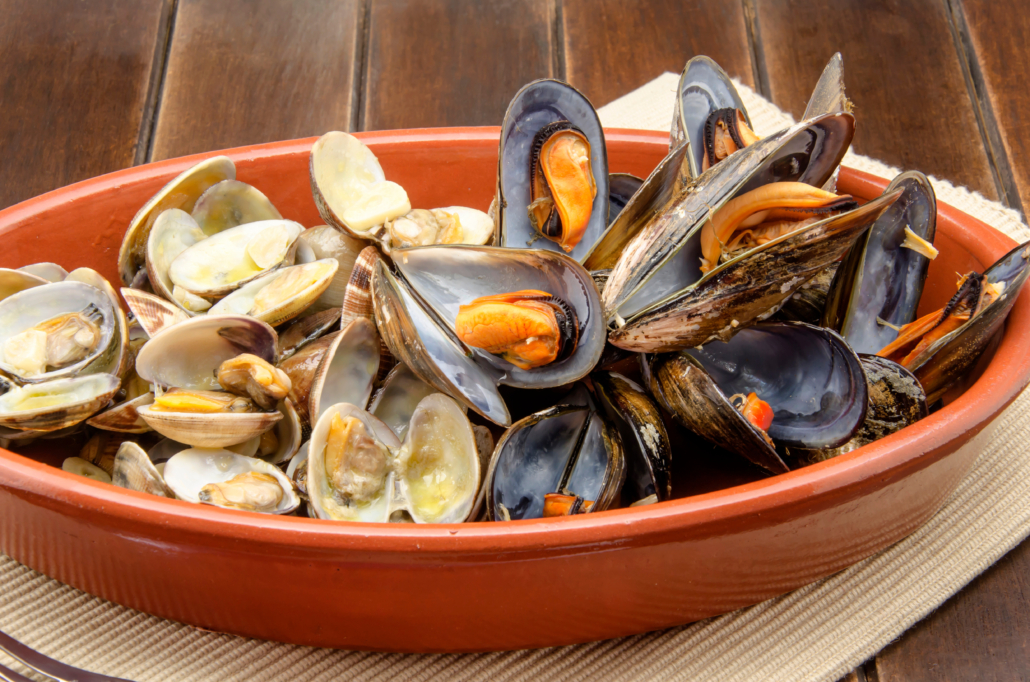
{"points": [[809, 301], [951, 356], [896, 400], [230, 203], [621, 188], [133, 469], [565, 449], [644, 439], [747, 288], [828, 98], [189, 471], [433, 475], [811, 379], [280, 296], [30, 307], [350, 189], [662, 250], [416, 312], [881, 279], [535, 106], [703, 89], [182, 193], [58, 403]]}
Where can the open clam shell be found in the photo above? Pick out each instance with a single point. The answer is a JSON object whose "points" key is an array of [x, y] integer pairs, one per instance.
{"points": [[645, 442], [350, 189], [396, 401], [811, 379], [305, 330], [299, 286], [230, 203], [703, 88], [661, 252], [153, 313], [433, 475], [56, 404], [217, 265], [51, 272], [182, 192], [348, 369], [881, 280], [13, 281], [123, 417], [536, 105], [564, 449], [896, 400], [187, 472], [748, 288], [951, 356], [302, 368], [416, 313], [328, 242], [134, 470], [216, 430], [30, 307], [173, 232], [118, 359]]}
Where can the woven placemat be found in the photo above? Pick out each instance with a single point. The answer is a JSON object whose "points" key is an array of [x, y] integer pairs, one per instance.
{"points": [[818, 632]]}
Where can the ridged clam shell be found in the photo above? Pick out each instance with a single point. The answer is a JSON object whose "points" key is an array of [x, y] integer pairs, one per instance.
{"points": [[302, 367], [357, 302], [216, 430], [153, 313], [134, 470], [305, 330], [85, 396], [123, 417]]}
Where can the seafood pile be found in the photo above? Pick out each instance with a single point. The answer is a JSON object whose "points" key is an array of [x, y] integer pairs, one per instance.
{"points": [[446, 364]]}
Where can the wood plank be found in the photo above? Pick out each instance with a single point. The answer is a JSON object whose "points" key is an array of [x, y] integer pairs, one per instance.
{"points": [[247, 71], [451, 62], [994, 34], [902, 71], [74, 83], [982, 633], [612, 47]]}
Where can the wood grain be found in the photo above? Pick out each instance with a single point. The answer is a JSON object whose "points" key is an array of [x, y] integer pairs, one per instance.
{"points": [[614, 46], [982, 633], [74, 80], [451, 62], [247, 71], [995, 34], [902, 71]]}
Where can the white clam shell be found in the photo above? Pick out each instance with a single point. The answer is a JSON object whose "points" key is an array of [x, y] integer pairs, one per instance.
{"points": [[187, 472]]}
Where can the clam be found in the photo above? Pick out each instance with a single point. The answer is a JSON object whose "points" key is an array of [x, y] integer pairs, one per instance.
{"points": [[327, 242], [940, 347], [302, 367], [878, 286], [252, 377], [58, 330], [152, 313], [396, 401], [58, 403], [182, 193], [173, 232], [564, 450], [80, 467], [230, 203], [346, 373], [51, 272], [350, 189], [13, 281], [225, 479], [896, 400], [282, 295], [200, 413], [552, 178], [791, 384], [358, 470], [133, 469], [123, 417], [449, 225], [217, 265], [418, 309], [307, 329], [357, 302]]}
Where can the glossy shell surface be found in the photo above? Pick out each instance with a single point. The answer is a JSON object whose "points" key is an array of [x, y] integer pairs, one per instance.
{"points": [[685, 559]]}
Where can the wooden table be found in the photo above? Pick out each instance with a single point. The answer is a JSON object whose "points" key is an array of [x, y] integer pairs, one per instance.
{"points": [[90, 87]]}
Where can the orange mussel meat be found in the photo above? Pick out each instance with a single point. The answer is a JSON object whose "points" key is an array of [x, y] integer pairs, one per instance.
{"points": [[726, 131], [561, 186], [527, 328]]}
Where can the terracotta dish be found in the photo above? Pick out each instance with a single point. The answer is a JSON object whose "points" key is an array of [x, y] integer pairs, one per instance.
{"points": [[727, 542]]}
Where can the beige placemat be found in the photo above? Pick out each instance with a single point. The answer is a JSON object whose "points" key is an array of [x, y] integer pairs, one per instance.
{"points": [[819, 632]]}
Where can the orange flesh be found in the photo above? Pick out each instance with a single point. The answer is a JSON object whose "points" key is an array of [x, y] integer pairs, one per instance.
{"points": [[558, 504], [757, 412], [565, 160], [517, 326], [773, 202], [724, 143]]}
